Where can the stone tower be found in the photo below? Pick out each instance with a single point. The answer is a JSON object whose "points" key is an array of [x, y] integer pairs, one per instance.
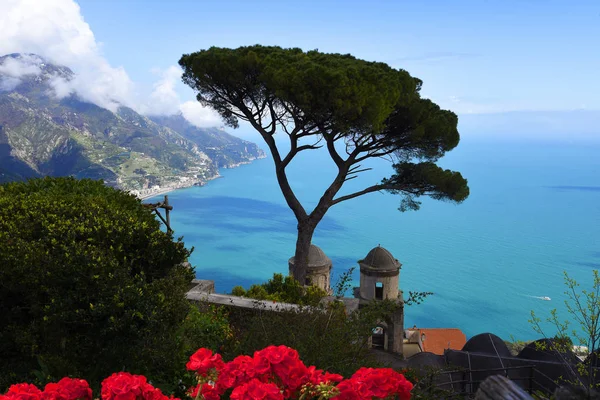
{"points": [[319, 268], [379, 275], [379, 280]]}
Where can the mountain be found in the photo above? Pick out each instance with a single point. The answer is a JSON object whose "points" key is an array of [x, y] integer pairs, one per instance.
{"points": [[44, 134], [224, 149]]}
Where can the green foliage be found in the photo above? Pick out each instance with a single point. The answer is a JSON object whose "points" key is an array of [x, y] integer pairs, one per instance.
{"points": [[284, 290], [416, 297], [343, 284], [583, 307], [238, 291], [325, 337], [425, 178], [375, 109], [332, 87], [89, 284], [515, 346], [206, 325]]}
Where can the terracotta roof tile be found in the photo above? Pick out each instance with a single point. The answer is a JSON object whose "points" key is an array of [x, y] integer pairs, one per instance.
{"points": [[439, 339]]}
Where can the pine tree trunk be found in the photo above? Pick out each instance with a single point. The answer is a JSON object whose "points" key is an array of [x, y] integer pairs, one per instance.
{"points": [[305, 234]]}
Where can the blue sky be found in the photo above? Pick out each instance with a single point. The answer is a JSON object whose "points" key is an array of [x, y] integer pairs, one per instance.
{"points": [[499, 64], [474, 56]]}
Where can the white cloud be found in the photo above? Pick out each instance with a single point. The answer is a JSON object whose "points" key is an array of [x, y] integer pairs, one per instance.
{"points": [[8, 83], [18, 67], [200, 116], [13, 69], [56, 30], [164, 99]]}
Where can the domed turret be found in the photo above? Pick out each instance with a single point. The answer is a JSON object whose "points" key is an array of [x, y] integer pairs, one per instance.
{"points": [[379, 275], [380, 259], [319, 268]]}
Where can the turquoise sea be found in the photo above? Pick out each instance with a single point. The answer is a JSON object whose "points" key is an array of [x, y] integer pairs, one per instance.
{"points": [[534, 212]]}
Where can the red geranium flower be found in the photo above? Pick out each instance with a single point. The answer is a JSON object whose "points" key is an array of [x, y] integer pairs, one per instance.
{"points": [[262, 365], [149, 392], [123, 386], [285, 363], [278, 354], [353, 389], [203, 360], [234, 373], [257, 390], [24, 391], [383, 382], [293, 375], [68, 389], [209, 392], [317, 376], [274, 373]]}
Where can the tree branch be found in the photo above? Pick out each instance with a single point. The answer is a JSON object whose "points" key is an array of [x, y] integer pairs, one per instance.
{"points": [[370, 189], [293, 147], [337, 159], [273, 118], [358, 171], [355, 169], [374, 155]]}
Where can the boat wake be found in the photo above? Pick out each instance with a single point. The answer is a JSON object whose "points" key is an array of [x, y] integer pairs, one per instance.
{"points": [[546, 298]]}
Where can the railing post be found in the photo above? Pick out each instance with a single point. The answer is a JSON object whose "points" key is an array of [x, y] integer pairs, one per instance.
{"points": [[530, 380], [168, 217]]}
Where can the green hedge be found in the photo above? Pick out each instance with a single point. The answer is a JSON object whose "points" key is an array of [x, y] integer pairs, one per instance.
{"points": [[89, 284]]}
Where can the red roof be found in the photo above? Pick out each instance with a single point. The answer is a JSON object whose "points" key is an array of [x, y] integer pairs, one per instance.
{"points": [[436, 340]]}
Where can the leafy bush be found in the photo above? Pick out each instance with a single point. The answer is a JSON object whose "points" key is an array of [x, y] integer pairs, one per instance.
{"points": [[326, 337], [89, 284], [282, 289], [206, 325]]}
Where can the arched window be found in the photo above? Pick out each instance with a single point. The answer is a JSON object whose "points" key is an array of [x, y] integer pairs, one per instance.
{"points": [[378, 337]]}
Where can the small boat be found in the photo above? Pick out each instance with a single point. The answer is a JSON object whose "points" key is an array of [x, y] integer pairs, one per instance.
{"points": [[546, 298]]}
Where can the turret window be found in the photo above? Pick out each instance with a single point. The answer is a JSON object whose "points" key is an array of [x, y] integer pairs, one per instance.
{"points": [[379, 291]]}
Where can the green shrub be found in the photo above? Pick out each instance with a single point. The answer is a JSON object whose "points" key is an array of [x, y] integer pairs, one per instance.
{"points": [[327, 337], [207, 326], [89, 284], [282, 289]]}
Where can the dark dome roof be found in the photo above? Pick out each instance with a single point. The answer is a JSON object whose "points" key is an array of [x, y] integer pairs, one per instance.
{"points": [[316, 258], [546, 350], [380, 258], [487, 343]]}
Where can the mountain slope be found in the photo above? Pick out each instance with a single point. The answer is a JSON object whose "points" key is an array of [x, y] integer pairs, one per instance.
{"points": [[42, 134], [224, 149]]}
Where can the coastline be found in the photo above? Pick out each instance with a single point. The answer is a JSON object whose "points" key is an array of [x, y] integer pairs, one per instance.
{"points": [[159, 192], [165, 190]]}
